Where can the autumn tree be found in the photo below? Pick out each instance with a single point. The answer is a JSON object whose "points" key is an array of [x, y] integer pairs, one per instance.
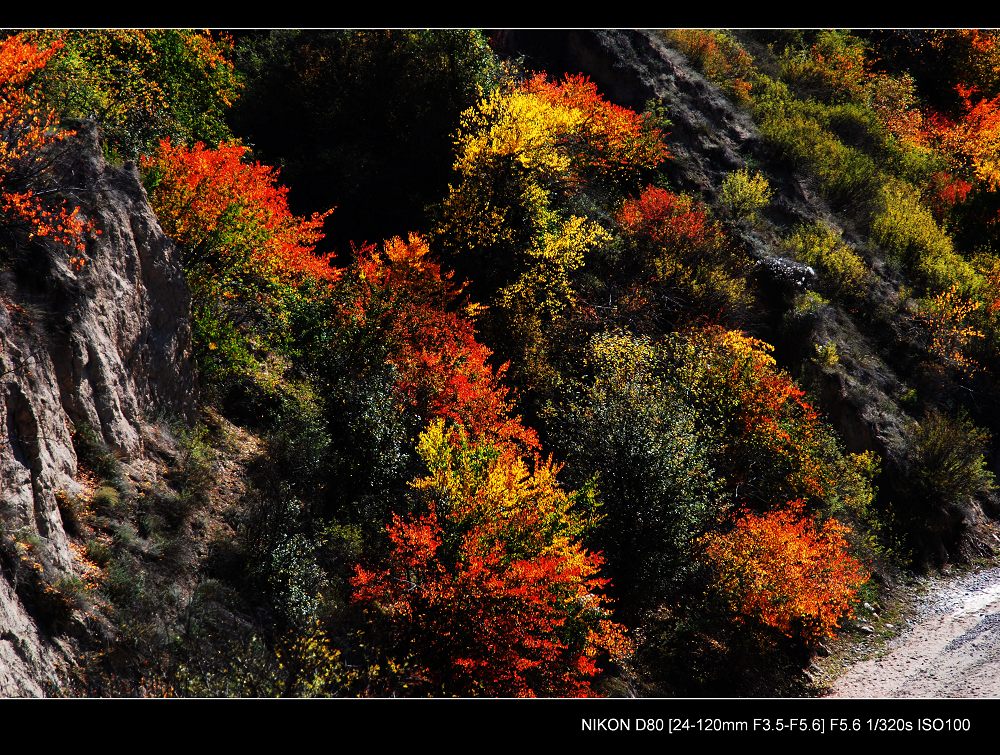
{"points": [[525, 154], [948, 319], [391, 347], [30, 135], [787, 570], [684, 255], [487, 589], [972, 140], [142, 85], [245, 253], [651, 456], [773, 443], [443, 371]]}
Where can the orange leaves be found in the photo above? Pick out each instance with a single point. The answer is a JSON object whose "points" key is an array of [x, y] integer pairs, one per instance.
{"points": [[28, 130], [19, 62], [489, 592], [208, 197], [946, 317], [610, 136], [787, 570], [486, 627], [444, 371], [775, 443], [972, 142]]}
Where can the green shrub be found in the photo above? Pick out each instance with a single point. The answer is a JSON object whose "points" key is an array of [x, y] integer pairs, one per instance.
{"points": [[654, 476], [99, 552], [107, 499], [822, 247], [195, 472], [826, 354], [808, 304], [94, 453], [124, 583], [745, 195], [905, 228], [949, 470], [831, 70], [845, 174]]}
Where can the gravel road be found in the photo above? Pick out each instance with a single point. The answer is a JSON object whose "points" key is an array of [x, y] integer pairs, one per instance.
{"points": [[951, 648]]}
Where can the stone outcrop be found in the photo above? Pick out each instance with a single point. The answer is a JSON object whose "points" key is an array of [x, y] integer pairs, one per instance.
{"points": [[106, 347]]}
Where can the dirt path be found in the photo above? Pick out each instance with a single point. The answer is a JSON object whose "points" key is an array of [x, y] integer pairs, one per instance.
{"points": [[950, 649]]}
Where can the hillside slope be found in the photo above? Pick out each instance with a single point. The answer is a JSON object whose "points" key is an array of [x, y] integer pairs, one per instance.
{"points": [[103, 351], [876, 335]]}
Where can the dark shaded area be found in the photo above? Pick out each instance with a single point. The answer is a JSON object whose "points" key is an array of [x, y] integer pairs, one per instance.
{"points": [[360, 120]]}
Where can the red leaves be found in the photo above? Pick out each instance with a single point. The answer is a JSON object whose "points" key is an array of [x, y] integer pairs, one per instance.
{"points": [[946, 191], [27, 131], [483, 617], [787, 570], [972, 143], [444, 370], [211, 197], [612, 137], [668, 219]]}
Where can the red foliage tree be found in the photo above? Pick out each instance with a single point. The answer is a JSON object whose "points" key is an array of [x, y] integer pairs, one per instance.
{"points": [[444, 371], [972, 141], [28, 132], [214, 202], [787, 570], [490, 592], [669, 220]]}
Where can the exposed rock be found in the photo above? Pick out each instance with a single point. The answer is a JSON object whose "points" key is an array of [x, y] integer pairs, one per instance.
{"points": [[786, 274], [108, 346]]}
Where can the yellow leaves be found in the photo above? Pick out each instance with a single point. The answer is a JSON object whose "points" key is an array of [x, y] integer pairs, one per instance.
{"points": [[823, 247], [495, 487], [546, 286], [946, 318], [513, 123]]}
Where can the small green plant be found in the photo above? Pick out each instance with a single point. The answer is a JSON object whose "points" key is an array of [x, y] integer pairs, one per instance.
{"points": [[94, 452], [99, 551], [949, 466], [808, 304], [72, 588], [822, 247], [125, 535], [826, 354], [744, 194], [124, 584], [107, 499]]}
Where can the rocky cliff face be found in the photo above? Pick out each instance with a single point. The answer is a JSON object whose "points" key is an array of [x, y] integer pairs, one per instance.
{"points": [[108, 348]]}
